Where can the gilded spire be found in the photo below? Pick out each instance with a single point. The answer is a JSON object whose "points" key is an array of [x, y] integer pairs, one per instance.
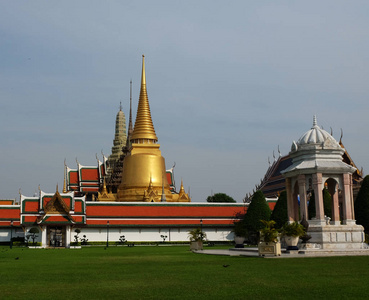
{"points": [[65, 177], [144, 128]]}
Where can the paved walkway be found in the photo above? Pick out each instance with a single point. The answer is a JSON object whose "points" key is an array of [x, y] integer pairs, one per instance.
{"points": [[253, 252]]}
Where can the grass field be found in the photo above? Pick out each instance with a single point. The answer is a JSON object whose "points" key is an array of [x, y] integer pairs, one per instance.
{"points": [[174, 273]]}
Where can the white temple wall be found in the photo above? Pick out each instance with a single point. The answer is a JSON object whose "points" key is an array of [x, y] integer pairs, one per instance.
{"points": [[5, 233], [177, 234]]}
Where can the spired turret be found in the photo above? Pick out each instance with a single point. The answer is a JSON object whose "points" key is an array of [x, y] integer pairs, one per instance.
{"points": [[120, 138], [144, 175]]}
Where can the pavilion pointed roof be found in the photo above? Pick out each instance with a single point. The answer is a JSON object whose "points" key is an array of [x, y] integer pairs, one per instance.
{"points": [[144, 128]]}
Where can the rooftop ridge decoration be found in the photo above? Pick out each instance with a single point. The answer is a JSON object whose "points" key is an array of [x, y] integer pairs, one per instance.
{"points": [[144, 129]]}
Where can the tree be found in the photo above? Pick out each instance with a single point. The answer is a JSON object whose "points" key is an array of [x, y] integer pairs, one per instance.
{"points": [[76, 237], [327, 203], [196, 235], [280, 213], [362, 205], [220, 197], [258, 210], [33, 234]]}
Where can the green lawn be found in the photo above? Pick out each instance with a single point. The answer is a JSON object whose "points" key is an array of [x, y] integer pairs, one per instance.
{"points": [[174, 273]]}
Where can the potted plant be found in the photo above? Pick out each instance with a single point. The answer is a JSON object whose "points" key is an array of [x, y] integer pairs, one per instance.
{"points": [[292, 232], [269, 239], [240, 232], [197, 237]]}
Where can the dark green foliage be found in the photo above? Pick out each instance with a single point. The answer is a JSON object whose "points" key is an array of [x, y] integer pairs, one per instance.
{"points": [[196, 235], [84, 240], [220, 197], [362, 205], [269, 233], [327, 201], [76, 237], [239, 229], [280, 213], [258, 210], [294, 229]]}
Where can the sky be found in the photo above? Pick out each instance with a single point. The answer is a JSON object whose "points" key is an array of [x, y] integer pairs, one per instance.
{"points": [[228, 82]]}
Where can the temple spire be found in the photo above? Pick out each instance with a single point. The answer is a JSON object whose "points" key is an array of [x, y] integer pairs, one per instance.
{"points": [[315, 122], [144, 129], [65, 177], [130, 127]]}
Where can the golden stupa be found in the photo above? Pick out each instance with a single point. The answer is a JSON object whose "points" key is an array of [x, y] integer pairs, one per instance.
{"points": [[144, 175]]}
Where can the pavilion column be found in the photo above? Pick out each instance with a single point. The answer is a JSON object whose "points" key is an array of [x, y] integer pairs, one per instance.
{"points": [[347, 200], [67, 236], [335, 206], [290, 206], [43, 236], [303, 200], [318, 188]]}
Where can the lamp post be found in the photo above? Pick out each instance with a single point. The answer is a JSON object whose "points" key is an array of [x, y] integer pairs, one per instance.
{"points": [[201, 228], [11, 234], [107, 234]]}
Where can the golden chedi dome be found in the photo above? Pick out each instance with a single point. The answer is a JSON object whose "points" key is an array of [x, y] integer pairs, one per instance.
{"points": [[144, 175]]}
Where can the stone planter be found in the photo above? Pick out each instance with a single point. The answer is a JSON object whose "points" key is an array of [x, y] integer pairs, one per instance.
{"points": [[291, 242], [239, 240], [269, 248], [197, 245]]}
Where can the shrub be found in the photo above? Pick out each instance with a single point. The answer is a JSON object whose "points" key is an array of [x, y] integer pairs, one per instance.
{"points": [[280, 213], [362, 205], [196, 235], [258, 210], [220, 197], [268, 233], [294, 229]]}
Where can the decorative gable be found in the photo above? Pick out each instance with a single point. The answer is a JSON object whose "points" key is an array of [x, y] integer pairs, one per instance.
{"points": [[56, 205]]}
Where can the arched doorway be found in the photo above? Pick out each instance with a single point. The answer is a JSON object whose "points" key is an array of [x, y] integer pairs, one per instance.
{"points": [[332, 187], [56, 236]]}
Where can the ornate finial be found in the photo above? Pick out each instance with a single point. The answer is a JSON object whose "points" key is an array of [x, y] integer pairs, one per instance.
{"points": [[315, 123], [279, 152], [331, 131], [57, 188], [341, 136], [104, 189], [273, 155], [144, 127], [77, 161], [65, 180], [120, 106], [143, 75], [163, 197]]}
